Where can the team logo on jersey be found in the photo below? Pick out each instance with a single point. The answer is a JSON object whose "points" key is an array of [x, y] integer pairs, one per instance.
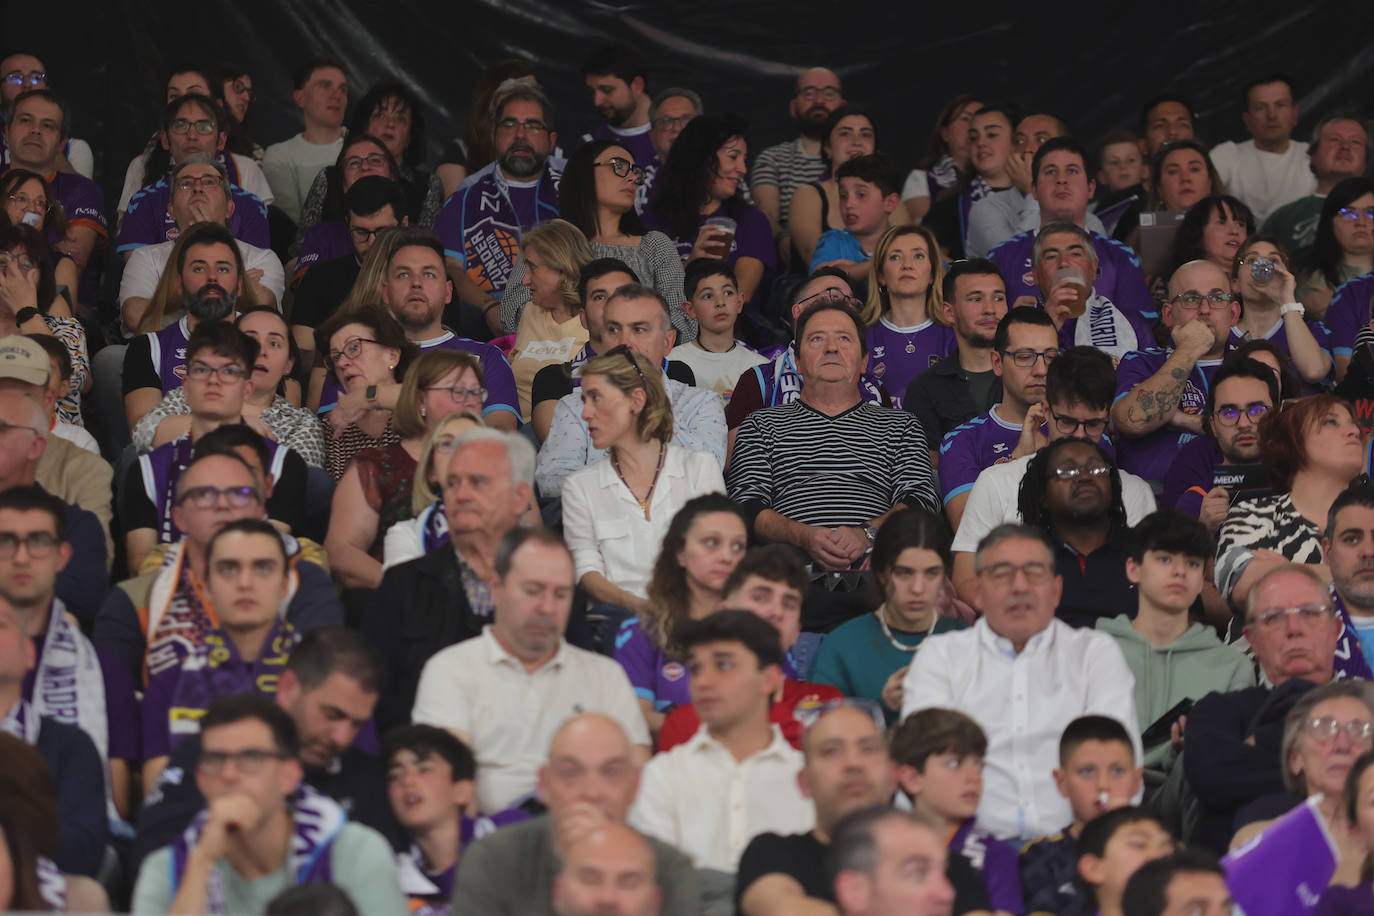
{"points": [[879, 352], [806, 708], [999, 447], [879, 369], [673, 671], [1028, 278], [1192, 401]]}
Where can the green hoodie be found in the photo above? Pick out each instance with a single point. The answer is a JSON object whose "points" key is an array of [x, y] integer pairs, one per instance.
{"points": [[1191, 666]]}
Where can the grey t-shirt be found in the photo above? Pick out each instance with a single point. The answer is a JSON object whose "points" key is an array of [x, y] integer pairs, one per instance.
{"points": [[361, 862], [511, 872]]}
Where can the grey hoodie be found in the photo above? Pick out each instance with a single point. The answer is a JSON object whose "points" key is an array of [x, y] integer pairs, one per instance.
{"points": [[1191, 666]]}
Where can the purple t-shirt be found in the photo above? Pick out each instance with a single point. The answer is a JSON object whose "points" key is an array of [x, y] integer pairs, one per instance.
{"points": [[167, 348], [83, 203], [1150, 456], [323, 242], [753, 234], [636, 141], [482, 223], [1190, 476], [121, 706], [968, 450], [996, 861], [148, 222], [1278, 336], [1119, 277], [1348, 313], [497, 377], [897, 355]]}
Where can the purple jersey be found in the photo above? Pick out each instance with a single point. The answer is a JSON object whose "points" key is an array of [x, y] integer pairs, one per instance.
{"points": [[970, 449], [634, 139], [497, 377], [995, 860], [1278, 336], [1118, 273], [1190, 476], [753, 234], [482, 224], [897, 355], [167, 348], [1348, 314], [148, 221], [1149, 456], [82, 202], [323, 242], [654, 676]]}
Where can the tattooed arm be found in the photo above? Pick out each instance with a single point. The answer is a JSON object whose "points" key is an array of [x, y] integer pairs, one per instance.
{"points": [[1154, 402]]}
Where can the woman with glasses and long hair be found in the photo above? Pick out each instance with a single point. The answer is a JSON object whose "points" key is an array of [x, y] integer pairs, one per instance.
{"points": [[1313, 449], [616, 512], [1263, 280], [364, 348], [374, 492], [597, 196], [1344, 246], [322, 233]]}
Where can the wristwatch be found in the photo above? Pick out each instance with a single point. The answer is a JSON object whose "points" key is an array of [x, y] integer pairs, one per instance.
{"points": [[872, 532], [1292, 307], [371, 394]]}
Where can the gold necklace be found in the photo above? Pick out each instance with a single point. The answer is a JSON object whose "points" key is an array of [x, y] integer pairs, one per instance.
{"points": [[643, 503]]}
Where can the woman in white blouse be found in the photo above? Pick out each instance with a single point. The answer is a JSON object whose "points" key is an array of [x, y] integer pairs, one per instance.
{"points": [[616, 511]]}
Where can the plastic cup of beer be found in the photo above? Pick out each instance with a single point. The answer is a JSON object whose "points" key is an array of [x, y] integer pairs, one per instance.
{"points": [[1074, 277], [725, 235]]}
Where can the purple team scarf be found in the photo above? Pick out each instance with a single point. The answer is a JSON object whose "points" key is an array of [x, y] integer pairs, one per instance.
{"points": [[52, 884], [434, 527], [1349, 659], [430, 893], [1284, 870], [316, 821], [216, 670], [22, 722]]}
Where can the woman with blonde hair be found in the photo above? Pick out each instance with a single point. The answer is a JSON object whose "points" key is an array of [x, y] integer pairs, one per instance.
{"points": [[552, 331], [616, 512], [907, 333], [375, 490], [427, 528]]}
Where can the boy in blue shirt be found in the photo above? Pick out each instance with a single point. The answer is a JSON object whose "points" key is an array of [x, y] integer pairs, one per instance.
{"points": [[869, 193]]}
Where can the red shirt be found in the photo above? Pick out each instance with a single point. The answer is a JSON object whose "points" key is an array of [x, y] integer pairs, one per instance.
{"points": [[682, 723]]}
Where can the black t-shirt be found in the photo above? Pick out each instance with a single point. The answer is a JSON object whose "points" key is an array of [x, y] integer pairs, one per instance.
{"points": [[970, 890], [554, 382], [287, 504], [138, 366], [322, 289], [800, 856]]}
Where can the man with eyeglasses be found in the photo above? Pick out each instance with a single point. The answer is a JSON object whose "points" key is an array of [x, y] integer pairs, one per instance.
{"points": [[1231, 746], [21, 72], [782, 168], [71, 680], [1161, 392], [482, 223], [1339, 151], [616, 76], [193, 123], [219, 370], [200, 193], [672, 110], [1078, 393], [372, 204], [1024, 675], [1270, 169], [264, 828], [155, 619], [321, 94], [779, 381], [1023, 348], [248, 579], [1241, 393], [34, 133]]}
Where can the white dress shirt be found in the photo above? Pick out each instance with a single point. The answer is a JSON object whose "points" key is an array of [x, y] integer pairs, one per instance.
{"points": [[993, 501], [605, 528], [510, 715], [698, 798], [1023, 702]]}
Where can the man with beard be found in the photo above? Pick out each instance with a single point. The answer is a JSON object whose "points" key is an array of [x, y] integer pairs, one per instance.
{"points": [[1349, 550], [482, 223], [781, 169], [416, 290], [1071, 491], [962, 385], [1242, 392], [208, 270], [615, 75]]}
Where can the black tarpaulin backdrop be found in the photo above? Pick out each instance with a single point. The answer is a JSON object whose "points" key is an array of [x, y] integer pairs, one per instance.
{"points": [[1093, 64]]}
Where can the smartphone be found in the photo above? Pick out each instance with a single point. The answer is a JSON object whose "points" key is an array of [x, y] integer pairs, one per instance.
{"points": [[1159, 729]]}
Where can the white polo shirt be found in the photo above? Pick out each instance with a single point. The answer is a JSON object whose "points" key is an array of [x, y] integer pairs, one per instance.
{"points": [[510, 715], [698, 798]]}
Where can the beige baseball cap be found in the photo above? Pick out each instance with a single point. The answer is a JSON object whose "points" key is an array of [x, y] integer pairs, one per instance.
{"points": [[22, 359]]}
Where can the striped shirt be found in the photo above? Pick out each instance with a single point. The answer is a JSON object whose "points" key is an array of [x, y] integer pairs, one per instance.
{"points": [[786, 166], [1263, 523], [831, 471]]}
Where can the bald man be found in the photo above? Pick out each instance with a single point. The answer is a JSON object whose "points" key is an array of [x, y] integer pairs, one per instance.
{"points": [[610, 870], [588, 783], [779, 170], [1161, 393]]}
